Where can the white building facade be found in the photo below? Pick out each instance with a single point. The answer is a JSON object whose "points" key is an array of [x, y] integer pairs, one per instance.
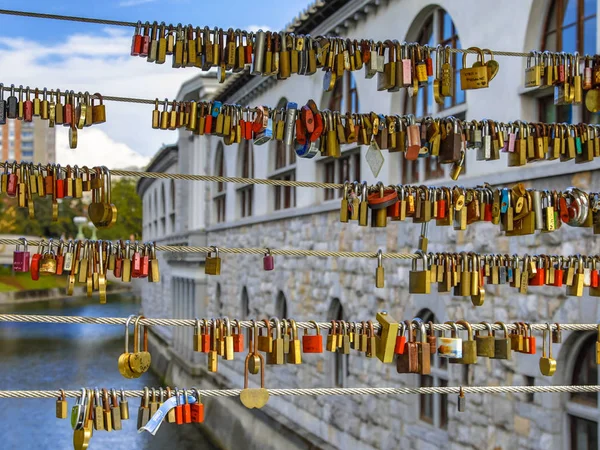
{"points": [[234, 215]]}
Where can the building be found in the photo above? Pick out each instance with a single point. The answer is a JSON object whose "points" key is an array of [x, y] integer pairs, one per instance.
{"points": [[28, 141], [264, 216]]}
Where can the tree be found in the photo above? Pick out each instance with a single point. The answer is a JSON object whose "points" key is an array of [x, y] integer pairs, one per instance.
{"points": [[129, 207]]}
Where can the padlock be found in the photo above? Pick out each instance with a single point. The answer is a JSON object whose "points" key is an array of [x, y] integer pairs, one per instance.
{"points": [[485, 344], [21, 257], [450, 347], [502, 345], [420, 280], [475, 77], [268, 262], [212, 265], [312, 343]]}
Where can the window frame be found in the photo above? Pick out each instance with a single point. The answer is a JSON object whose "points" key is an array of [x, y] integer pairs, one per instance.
{"points": [[579, 113], [414, 171], [282, 167], [332, 170], [220, 193], [245, 192], [574, 409], [439, 378]]}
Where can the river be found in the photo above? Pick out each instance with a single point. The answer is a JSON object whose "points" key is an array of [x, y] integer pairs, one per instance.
{"points": [[40, 356]]}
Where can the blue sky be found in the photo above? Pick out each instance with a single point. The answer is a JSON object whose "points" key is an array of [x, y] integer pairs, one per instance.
{"points": [[89, 57]]}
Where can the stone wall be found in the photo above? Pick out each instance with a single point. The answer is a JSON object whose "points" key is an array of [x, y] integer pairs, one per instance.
{"points": [[310, 285]]}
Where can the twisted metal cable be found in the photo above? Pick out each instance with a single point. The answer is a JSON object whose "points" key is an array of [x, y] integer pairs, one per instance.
{"points": [[250, 251], [33, 318], [35, 394], [134, 24]]}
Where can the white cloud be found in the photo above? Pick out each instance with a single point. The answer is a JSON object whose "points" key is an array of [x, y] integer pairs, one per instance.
{"points": [[126, 3], [96, 148], [255, 28], [99, 62]]}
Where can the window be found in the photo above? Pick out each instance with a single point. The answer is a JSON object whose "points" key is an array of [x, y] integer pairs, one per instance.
{"points": [[281, 309], [219, 299], [172, 215], [339, 170], [570, 27], [284, 168], [245, 308], [438, 29], [245, 193], [344, 97], [339, 361], [582, 407], [433, 409], [220, 197]]}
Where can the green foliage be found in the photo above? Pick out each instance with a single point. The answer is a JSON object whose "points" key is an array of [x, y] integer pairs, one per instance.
{"points": [[129, 206], [124, 196]]}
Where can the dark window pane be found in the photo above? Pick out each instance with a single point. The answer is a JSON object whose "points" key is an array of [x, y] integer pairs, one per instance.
{"points": [[443, 406], [589, 36], [551, 42], [570, 14], [448, 26], [589, 8], [426, 400], [569, 39], [586, 372], [584, 434]]}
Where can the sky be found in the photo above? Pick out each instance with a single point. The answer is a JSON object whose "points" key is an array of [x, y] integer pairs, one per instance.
{"points": [[96, 58]]}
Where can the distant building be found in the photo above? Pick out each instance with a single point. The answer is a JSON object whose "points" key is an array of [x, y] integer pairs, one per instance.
{"points": [[28, 141]]}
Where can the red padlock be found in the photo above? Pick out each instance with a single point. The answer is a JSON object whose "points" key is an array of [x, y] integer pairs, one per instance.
{"points": [[268, 262], [60, 259], [186, 408], [208, 124], [68, 110], [238, 338], [136, 42], [487, 212], [531, 338], [35, 264], [59, 183], [27, 107], [539, 277], [197, 409], [441, 209], [312, 343], [21, 257], [178, 409], [400, 340], [145, 264], [594, 279], [136, 262], [118, 270], [13, 182], [145, 44]]}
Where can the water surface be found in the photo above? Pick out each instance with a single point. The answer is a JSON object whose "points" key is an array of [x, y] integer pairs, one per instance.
{"points": [[40, 356]]}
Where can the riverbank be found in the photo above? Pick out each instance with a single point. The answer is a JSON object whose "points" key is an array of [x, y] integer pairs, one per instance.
{"points": [[59, 293]]}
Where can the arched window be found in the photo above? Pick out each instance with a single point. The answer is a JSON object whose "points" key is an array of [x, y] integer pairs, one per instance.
{"points": [[433, 409], [339, 361], [281, 308], [163, 209], [245, 193], [245, 304], [582, 407], [173, 206], [343, 98], [570, 27], [283, 168], [438, 29], [220, 196], [219, 300]]}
